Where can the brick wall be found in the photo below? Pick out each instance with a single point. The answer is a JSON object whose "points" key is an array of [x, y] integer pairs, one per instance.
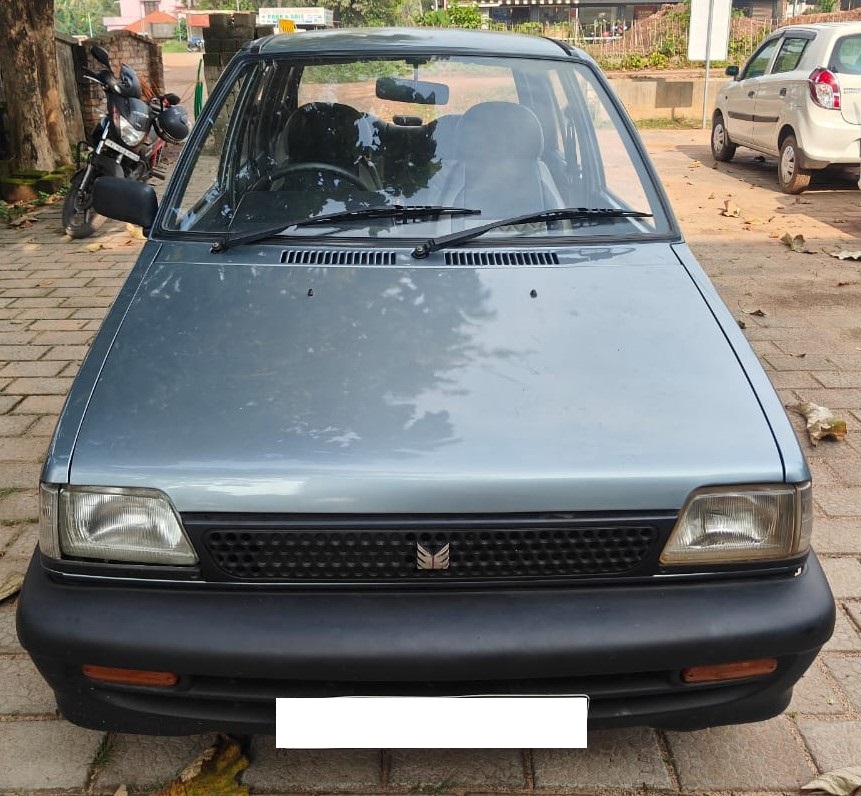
{"points": [[140, 53]]}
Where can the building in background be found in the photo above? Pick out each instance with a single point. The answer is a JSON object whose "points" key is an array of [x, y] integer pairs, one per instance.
{"points": [[132, 11]]}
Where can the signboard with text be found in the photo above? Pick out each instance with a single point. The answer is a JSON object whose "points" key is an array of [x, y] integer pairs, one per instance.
{"points": [[705, 46], [314, 17]]}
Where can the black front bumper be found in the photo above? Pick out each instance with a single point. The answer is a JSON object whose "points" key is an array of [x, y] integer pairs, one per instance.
{"points": [[236, 650]]}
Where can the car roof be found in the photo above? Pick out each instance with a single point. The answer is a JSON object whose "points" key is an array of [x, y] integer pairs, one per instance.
{"points": [[397, 40], [848, 27]]}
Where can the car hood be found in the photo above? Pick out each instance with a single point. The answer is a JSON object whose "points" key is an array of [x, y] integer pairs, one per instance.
{"points": [[605, 383]]}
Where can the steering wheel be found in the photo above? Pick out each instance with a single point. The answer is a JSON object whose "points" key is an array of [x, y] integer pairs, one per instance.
{"points": [[330, 168]]}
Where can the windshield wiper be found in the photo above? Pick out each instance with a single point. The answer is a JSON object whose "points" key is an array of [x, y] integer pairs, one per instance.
{"points": [[400, 213], [563, 214]]}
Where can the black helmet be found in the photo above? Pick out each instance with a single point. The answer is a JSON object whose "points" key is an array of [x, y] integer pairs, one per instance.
{"points": [[172, 124], [130, 86]]}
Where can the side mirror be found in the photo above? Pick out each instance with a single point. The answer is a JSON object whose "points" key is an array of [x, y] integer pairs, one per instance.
{"points": [[101, 55], [125, 200], [732, 71]]}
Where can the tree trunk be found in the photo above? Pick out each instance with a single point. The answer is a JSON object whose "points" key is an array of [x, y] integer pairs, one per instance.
{"points": [[28, 64]]}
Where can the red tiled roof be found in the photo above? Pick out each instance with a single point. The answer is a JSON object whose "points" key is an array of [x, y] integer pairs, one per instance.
{"points": [[156, 18], [197, 20]]}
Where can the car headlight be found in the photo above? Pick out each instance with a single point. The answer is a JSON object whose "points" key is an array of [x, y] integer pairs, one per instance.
{"points": [[130, 135], [723, 525], [107, 524]]}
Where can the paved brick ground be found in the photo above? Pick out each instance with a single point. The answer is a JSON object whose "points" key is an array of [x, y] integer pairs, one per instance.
{"points": [[53, 293]]}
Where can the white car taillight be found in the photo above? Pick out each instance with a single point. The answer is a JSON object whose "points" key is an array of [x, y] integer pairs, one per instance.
{"points": [[824, 89]]}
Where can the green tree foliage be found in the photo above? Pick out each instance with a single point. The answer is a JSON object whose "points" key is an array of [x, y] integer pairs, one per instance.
{"points": [[465, 15], [374, 13], [457, 15], [237, 5], [79, 17]]}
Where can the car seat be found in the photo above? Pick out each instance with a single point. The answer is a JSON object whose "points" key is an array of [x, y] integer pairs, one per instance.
{"points": [[498, 167]]}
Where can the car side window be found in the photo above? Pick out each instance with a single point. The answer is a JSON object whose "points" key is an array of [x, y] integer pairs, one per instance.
{"points": [[847, 56], [758, 63], [789, 54]]}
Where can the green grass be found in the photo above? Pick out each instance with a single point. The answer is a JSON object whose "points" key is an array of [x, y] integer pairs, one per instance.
{"points": [[173, 47], [681, 123]]}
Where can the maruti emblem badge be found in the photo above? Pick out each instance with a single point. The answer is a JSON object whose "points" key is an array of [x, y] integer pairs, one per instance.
{"points": [[425, 559]]}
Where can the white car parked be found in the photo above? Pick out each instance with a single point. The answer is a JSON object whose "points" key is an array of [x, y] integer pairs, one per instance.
{"points": [[798, 97]]}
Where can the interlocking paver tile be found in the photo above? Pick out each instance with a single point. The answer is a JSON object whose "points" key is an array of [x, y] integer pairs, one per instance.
{"points": [[26, 766], [19, 505], [450, 769], [761, 756], [854, 611], [21, 449], [837, 535], [847, 672], [22, 690], [833, 744], [310, 770], [839, 501], [847, 637], [815, 695], [844, 576], [147, 763], [40, 405], [8, 637], [629, 758]]}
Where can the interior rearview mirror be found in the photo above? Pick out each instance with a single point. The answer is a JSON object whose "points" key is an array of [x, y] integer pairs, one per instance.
{"points": [[404, 89]]}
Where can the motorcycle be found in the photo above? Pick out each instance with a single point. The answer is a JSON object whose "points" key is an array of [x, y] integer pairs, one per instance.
{"points": [[127, 141]]}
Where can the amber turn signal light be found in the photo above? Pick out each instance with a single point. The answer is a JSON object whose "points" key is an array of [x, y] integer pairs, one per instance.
{"points": [[729, 671], [109, 674]]}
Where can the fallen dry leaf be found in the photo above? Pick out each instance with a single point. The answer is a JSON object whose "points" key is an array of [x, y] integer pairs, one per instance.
{"points": [[821, 423], [842, 782], [135, 232], [796, 243], [23, 221], [757, 313], [94, 247], [741, 324], [846, 255], [694, 164], [214, 773], [730, 209], [10, 586]]}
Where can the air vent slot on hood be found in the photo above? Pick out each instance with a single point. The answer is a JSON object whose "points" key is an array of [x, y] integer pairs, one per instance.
{"points": [[337, 257], [501, 258]]}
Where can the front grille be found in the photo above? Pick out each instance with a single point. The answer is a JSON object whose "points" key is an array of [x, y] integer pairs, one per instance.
{"points": [[404, 555]]}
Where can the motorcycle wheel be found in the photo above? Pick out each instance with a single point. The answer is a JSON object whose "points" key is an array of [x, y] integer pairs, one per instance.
{"points": [[79, 218]]}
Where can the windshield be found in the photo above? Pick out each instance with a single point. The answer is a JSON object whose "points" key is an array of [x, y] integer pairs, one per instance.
{"points": [[497, 138]]}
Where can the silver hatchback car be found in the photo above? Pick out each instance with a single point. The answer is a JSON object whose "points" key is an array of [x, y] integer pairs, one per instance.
{"points": [[798, 97], [417, 389]]}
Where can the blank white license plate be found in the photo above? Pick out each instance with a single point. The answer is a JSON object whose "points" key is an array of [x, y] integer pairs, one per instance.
{"points": [[481, 722]]}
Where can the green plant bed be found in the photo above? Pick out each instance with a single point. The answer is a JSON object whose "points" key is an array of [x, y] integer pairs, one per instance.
{"points": [[679, 123], [174, 46]]}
